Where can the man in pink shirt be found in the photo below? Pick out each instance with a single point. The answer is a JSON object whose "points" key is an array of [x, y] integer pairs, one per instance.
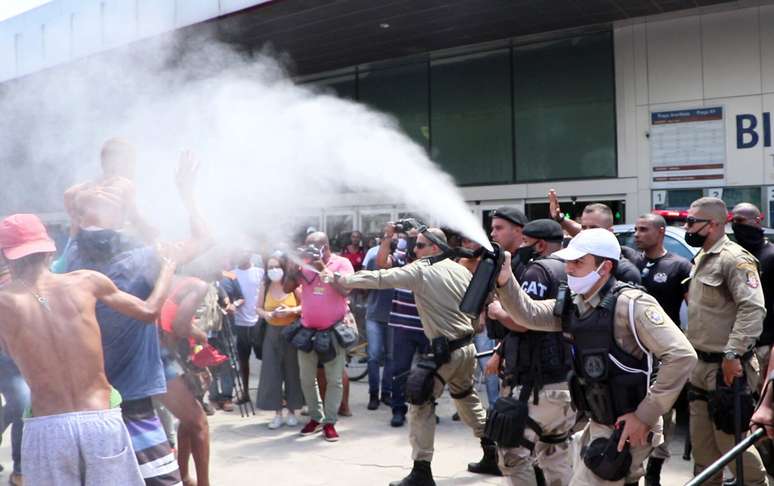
{"points": [[323, 304]]}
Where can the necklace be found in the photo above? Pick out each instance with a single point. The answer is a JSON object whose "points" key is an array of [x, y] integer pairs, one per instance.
{"points": [[41, 300]]}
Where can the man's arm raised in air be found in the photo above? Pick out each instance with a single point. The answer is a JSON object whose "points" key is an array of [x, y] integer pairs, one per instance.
{"points": [[147, 310], [201, 237], [571, 227]]}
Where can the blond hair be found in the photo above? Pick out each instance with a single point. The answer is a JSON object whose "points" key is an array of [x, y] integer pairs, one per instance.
{"points": [[711, 207]]}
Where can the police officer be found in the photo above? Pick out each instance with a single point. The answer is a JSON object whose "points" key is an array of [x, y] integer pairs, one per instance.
{"points": [[724, 321], [665, 277], [617, 332], [438, 289], [536, 365], [748, 232], [507, 230]]}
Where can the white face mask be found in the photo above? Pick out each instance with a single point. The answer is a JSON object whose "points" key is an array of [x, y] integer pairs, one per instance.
{"points": [[275, 274], [581, 285]]}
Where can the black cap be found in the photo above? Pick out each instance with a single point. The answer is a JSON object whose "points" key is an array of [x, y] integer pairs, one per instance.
{"points": [[544, 229], [508, 213]]}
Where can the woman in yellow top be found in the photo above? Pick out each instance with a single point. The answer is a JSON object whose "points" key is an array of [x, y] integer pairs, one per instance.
{"points": [[280, 381]]}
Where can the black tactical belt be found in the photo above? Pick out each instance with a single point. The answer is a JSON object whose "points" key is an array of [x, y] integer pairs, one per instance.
{"points": [[460, 343], [718, 357]]}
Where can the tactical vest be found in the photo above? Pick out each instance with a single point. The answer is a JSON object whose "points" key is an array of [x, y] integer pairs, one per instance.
{"points": [[538, 358], [606, 381]]}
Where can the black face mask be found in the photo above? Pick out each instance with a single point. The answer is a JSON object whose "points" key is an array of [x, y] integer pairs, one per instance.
{"points": [[98, 245], [695, 239], [525, 254], [749, 237]]}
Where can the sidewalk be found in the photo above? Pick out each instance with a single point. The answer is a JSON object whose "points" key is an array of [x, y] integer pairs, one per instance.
{"points": [[370, 452]]}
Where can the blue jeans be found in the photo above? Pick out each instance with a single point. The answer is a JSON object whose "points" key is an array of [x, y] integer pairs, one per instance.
{"points": [[17, 399], [405, 344], [483, 343], [222, 386], [379, 349]]}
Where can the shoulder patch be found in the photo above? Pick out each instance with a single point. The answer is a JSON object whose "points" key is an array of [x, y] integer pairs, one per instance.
{"points": [[654, 315], [752, 279]]}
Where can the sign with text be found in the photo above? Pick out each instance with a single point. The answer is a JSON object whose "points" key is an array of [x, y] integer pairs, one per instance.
{"points": [[687, 148]]}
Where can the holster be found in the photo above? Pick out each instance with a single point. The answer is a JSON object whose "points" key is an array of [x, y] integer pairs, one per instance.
{"points": [[441, 350], [720, 404], [421, 382], [346, 335], [508, 419], [302, 340], [603, 459], [324, 347]]}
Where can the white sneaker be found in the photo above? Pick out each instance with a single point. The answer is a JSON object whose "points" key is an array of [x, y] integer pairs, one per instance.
{"points": [[292, 421], [276, 422]]}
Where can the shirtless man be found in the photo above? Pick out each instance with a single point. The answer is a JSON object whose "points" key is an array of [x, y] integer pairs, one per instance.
{"points": [[109, 202], [49, 327]]}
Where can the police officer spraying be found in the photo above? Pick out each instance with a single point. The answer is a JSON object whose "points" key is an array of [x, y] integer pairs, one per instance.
{"points": [[665, 276], [535, 370], [438, 287], [725, 318], [617, 332]]}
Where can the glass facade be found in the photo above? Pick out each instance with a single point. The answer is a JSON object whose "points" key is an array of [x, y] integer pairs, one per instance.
{"points": [[565, 109], [529, 113], [402, 92], [471, 117]]}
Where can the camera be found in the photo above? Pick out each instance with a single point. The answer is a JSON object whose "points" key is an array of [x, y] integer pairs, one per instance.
{"points": [[406, 224]]}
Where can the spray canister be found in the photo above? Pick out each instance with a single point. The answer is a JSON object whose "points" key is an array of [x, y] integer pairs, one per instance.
{"points": [[483, 281]]}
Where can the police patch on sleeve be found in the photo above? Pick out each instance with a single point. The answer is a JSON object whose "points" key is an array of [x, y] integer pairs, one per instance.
{"points": [[654, 315], [752, 280]]}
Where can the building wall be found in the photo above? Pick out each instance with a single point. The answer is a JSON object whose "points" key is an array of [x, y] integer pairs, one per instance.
{"points": [[65, 30], [701, 58]]}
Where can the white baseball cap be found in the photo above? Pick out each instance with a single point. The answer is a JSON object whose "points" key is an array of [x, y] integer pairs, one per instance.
{"points": [[597, 241]]}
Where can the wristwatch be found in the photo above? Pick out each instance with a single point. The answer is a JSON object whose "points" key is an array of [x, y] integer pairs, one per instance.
{"points": [[730, 355]]}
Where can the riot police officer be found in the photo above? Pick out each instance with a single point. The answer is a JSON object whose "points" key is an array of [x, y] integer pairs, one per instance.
{"points": [[617, 332], [535, 367]]}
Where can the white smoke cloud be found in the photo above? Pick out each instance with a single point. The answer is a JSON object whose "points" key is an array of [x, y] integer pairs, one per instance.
{"points": [[270, 150]]}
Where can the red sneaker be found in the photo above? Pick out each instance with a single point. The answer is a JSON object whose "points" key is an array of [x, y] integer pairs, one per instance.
{"points": [[329, 432], [311, 427]]}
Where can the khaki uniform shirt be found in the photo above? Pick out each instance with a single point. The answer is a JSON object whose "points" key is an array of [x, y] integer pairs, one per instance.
{"points": [[655, 330], [438, 291], [725, 300]]}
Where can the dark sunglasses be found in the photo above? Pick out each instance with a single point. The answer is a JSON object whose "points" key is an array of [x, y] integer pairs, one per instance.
{"points": [[690, 220], [419, 246]]}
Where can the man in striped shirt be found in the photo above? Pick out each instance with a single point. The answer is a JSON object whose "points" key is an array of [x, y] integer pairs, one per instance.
{"points": [[408, 339]]}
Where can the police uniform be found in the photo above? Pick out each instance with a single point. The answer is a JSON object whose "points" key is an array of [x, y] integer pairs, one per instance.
{"points": [[438, 289], [616, 335], [540, 361], [724, 315]]}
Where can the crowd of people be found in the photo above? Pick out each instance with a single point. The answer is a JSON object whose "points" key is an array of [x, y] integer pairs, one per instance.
{"points": [[580, 339]]}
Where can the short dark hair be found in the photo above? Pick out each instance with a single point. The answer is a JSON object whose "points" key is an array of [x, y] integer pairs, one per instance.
{"points": [[598, 260]]}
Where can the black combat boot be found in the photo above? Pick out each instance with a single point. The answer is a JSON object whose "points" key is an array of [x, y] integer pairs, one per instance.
{"points": [[488, 463], [653, 472], [373, 402], [420, 475]]}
